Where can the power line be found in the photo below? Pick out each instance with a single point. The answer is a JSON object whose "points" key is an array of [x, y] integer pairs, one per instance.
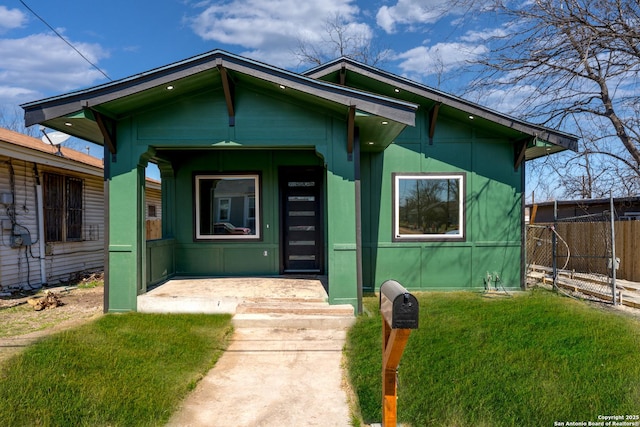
{"points": [[65, 40]]}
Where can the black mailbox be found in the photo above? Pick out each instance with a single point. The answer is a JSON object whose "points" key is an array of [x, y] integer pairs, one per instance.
{"points": [[398, 307]]}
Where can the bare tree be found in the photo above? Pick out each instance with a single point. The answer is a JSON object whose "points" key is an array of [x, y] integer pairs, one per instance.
{"points": [[340, 38], [12, 119], [578, 63]]}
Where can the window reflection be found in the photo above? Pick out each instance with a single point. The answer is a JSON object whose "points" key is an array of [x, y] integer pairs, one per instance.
{"points": [[428, 206], [227, 206]]}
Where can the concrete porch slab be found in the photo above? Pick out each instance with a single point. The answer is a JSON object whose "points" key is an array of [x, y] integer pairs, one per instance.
{"points": [[223, 294]]}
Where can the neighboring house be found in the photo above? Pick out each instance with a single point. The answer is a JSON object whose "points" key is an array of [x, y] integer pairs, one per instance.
{"points": [[626, 208], [345, 171], [51, 212], [153, 206]]}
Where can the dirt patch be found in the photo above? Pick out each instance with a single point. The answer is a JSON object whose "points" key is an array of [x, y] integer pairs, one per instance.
{"points": [[21, 325]]}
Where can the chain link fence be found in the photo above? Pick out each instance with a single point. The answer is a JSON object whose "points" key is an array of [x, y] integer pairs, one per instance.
{"points": [[576, 255]]}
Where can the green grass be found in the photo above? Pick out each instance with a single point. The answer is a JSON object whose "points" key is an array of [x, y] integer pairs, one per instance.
{"points": [[120, 370], [523, 361], [90, 284]]}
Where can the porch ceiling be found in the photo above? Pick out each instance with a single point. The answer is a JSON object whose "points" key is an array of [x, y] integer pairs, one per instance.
{"points": [[79, 113]]}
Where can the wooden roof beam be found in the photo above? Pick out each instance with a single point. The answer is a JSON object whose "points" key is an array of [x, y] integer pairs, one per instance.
{"points": [[343, 75], [108, 129], [433, 118], [228, 88], [351, 125], [519, 151]]}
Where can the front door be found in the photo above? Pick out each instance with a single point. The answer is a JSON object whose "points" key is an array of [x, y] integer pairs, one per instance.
{"points": [[301, 213]]}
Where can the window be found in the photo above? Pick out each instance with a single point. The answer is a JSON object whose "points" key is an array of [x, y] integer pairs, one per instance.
{"points": [[227, 206], [224, 206], [428, 206], [63, 208], [151, 211]]}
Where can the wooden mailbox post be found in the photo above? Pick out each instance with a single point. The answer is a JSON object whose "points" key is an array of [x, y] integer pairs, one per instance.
{"points": [[399, 311]]}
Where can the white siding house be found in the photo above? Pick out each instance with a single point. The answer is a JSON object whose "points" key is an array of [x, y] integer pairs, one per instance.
{"points": [[51, 212]]}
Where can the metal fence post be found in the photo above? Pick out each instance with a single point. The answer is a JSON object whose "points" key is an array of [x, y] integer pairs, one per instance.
{"points": [[554, 241], [613, 250]]}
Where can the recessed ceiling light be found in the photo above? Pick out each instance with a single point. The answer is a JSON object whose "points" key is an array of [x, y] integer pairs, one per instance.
{"points": [[396, 90], [471, 117], [370, 143], [282, 87], [384, 122], [170, 87], [68, 124]]}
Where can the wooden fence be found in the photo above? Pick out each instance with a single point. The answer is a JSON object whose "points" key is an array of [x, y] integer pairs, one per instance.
{"points": [[154, 229], [588, 244], [628, 249]]}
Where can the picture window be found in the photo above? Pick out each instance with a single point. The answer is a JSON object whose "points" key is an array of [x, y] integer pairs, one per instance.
{"points": [[227, 206], [428, 207]]}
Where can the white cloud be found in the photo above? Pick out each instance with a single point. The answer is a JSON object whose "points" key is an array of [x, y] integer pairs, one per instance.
{"points": [[414, 14], [484, 35], [11, 19], [39, 64], [270, 29], [439, 58], [509, 100], [408, 12], [15, 94]]}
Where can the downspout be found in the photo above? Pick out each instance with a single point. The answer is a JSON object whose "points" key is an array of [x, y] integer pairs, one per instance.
{"points": [[40, 221], [523, 227], [358, 193]]}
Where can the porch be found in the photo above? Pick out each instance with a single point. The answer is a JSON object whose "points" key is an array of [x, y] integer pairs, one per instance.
{"points": [[275, 302]]}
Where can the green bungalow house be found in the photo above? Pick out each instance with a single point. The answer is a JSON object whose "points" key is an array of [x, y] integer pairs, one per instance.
{"points": [[345, 171]]}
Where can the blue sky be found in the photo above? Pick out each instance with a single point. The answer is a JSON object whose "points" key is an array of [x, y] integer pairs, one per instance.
{"points": [[429, 41], [425, 39]]}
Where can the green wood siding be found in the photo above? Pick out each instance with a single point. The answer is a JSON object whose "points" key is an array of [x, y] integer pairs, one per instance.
{"points": [[492, 211]]}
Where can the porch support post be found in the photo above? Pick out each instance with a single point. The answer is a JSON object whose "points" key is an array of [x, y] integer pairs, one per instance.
{"points": [[126, 241], [340, 218]]}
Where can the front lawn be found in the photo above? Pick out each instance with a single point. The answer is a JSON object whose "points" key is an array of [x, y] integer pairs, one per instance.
{"points": [[529, 360], [121, 370]]}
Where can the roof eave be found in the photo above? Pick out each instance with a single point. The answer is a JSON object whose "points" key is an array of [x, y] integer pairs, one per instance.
{"points": [[562, 139], [52, 108]]}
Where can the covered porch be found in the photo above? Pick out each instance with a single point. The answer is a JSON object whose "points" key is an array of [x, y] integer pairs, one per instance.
{"points": [[246, 153]]}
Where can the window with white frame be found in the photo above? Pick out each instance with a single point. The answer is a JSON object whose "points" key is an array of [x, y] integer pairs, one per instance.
{"points": [[428, 206], [227, 206]]}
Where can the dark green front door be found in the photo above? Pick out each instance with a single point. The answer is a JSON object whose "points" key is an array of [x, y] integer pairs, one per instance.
{"points": [[301, 213]]}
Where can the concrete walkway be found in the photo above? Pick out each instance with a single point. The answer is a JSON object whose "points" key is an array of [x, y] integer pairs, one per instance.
{"points": [[284, 364], [272, 377]]}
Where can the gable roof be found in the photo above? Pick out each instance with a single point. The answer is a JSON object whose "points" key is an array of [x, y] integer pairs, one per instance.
{"points": [[352, 73], [87, 113], [24, 147]]}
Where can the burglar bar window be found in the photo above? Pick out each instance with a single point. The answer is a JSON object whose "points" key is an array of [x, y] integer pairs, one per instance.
{"points": [[63, 208]]}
